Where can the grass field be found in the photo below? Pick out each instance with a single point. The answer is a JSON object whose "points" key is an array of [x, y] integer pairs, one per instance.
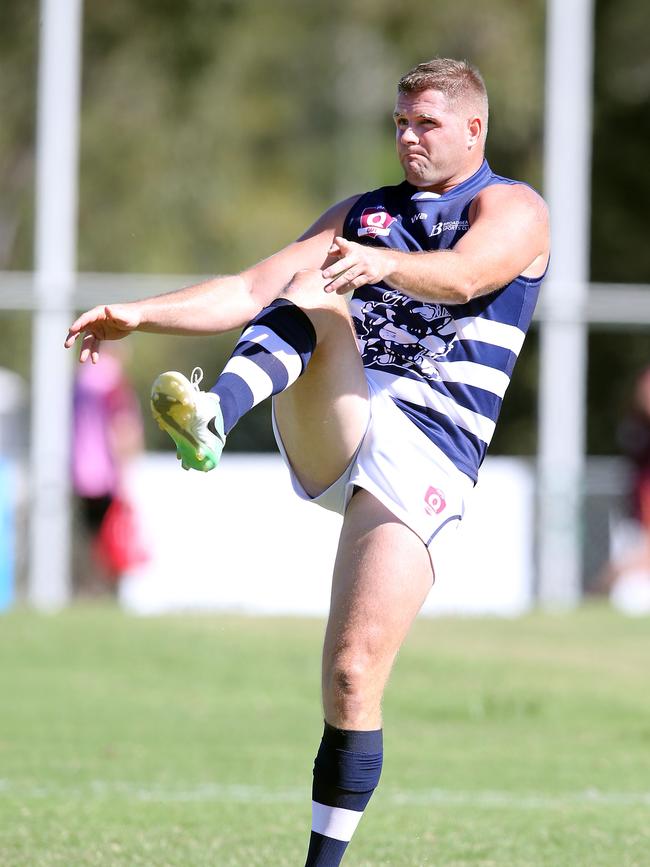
{"points": [[189, 741]]}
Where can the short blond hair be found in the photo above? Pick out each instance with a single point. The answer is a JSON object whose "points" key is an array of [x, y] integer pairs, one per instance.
{"points": [[458, 80]]}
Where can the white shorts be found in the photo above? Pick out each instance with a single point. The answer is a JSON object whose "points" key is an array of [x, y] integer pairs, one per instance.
{"points": [[403, 469]]}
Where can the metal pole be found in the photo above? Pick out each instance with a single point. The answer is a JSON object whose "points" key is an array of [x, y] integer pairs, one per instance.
{"points": [[563, 345], [55, 265]]}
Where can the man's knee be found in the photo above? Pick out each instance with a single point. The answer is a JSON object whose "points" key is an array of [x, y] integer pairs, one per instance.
{"points": [[304, 284], [328, 312], [349, 679], [307, 289]]}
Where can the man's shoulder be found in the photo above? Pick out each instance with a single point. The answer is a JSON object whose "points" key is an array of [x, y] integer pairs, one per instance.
{"points": [[510, 193], [517, 210], [500, 185]]}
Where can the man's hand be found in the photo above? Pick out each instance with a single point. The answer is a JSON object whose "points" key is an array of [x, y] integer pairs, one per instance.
{"points": [[107, 322], [356, 265]]}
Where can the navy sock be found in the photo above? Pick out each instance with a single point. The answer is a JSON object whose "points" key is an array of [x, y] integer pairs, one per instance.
{"points": [[272, 352], [346, 773]]}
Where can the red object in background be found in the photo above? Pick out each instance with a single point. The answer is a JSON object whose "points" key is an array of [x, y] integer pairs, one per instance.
{"points": [[119, 545]]}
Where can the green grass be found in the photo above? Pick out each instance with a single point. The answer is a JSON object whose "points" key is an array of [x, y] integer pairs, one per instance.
{"points": [[189, 741]]}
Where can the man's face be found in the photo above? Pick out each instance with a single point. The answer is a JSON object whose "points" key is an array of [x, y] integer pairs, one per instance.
{"points": [[437, 144]]}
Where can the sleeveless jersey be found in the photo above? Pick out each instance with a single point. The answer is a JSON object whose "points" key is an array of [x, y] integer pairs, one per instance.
{"points": [[446, 366]]}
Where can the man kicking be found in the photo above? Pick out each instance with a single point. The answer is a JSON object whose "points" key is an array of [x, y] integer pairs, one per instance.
{"points": [[384, 405]]}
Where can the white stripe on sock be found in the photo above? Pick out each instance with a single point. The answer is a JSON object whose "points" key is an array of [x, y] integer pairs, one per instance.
{"points": [[335, 822], [278, 347], [259, 382]]}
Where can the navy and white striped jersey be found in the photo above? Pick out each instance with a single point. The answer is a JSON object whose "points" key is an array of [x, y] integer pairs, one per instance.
{"points": [[446, 367]]}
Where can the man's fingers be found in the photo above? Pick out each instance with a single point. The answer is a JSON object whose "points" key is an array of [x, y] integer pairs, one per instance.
{"points": [[82, 322], [356, 283], [336, 284], [96, 314], [89, 349], [339, 267], [339, 246], [344, 282], [108, 322]]}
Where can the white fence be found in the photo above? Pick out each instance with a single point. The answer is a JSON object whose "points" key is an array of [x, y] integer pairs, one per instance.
{"points": [[240, 540]]}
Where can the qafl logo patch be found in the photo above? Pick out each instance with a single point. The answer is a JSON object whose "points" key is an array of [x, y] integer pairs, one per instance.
{"points": [[434, 501], [374, 222]]}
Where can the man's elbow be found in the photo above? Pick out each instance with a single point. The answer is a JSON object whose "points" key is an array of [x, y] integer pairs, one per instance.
{"points": [[464, 290], [251, 296], [465, 280], [471, 285]]}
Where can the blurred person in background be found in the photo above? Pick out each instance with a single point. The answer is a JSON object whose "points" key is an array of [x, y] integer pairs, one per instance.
{"points": [[107, 435], [383, 407], [627, 576]]}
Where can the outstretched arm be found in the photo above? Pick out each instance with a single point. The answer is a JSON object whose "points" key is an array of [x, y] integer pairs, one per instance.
{"points": [[187, 311], [508, 236], [216, 305]]}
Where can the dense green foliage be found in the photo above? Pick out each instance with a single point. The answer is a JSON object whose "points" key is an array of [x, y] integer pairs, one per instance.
{"points": [[190, 740], [214, 132]]}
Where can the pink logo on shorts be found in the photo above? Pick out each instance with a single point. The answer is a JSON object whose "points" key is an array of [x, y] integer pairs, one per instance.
{"points": [[434, 501]]}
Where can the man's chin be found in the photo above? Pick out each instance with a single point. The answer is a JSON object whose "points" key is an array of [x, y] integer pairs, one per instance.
{"points": [[417, 180]]}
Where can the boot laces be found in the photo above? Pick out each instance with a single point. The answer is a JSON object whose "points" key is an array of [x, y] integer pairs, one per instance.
{"points": [[196, 377]]}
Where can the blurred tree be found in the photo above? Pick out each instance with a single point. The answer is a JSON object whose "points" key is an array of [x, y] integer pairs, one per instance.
{"points": [[620, 176], [214, 132], [18, 70], [620, 193]]}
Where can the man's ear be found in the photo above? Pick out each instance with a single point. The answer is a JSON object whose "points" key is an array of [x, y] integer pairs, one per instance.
{"points": [[474, 130]]}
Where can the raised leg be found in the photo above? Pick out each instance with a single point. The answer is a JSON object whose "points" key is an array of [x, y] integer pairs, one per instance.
{"points": [[324, 414], [300, 348]]}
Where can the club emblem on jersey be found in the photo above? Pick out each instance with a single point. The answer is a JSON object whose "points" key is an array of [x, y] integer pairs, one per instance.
{"points": [[434, 501], [405, 334], [374, 222]]}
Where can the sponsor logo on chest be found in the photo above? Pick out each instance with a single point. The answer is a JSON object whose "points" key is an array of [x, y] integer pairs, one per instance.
{"points": [[449, 226]]}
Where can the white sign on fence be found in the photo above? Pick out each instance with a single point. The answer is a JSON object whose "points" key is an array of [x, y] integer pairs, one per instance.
{"points": [[239, 540]]}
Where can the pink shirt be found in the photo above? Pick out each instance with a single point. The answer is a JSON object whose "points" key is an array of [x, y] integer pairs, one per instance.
{"points": [[100, 393]]}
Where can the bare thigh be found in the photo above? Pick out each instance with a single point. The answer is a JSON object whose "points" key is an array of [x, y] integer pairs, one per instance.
{"points": [[323, 416], [381, 578]]}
